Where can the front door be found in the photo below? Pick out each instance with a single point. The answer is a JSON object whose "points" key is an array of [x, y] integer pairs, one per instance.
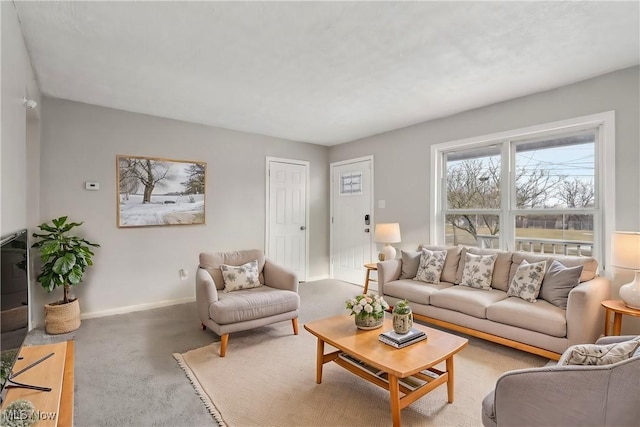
{"points": [[351, 219], [287, 214]]}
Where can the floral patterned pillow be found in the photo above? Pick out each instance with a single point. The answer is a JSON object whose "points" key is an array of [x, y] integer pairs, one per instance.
{"points": [[478, 270], [430, 267], [240, 277], [527, 281], [594, 354]]}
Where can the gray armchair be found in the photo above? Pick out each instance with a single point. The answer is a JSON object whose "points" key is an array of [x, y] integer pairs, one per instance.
{"points": [[226, 312], [568, 395]]}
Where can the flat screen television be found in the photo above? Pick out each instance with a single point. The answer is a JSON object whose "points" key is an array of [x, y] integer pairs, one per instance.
{"points": [[14, 301]]}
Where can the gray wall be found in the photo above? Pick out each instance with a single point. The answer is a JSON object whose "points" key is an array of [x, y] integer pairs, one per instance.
{"points": [[137, 266], [402, 157]]}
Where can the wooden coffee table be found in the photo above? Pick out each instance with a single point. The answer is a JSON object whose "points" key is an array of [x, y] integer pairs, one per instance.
{"points": [[409, 370]]}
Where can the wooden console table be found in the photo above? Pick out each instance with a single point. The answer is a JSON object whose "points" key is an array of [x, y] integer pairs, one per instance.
{"points": [[56, 406]]}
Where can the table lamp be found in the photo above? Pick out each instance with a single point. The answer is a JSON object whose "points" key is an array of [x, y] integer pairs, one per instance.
{"points": [[387, 233], [626, 254]]}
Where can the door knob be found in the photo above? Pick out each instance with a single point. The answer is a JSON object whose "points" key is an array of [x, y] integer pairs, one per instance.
{"points": [[366, 230], [302, 227]]}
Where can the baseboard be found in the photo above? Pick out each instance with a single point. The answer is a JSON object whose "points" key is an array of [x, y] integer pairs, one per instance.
{"points": [[314, 278], [138, 307]]}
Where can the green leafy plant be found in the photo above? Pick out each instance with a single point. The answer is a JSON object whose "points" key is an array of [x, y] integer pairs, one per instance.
{"points": [[65, 258], [402, 307]]}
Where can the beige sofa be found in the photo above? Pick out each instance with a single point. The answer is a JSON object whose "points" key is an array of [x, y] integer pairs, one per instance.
{"points": [[542, 328]]}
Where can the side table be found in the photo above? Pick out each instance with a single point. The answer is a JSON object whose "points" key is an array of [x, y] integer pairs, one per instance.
{"points": [[618, 308], [370, 267]]}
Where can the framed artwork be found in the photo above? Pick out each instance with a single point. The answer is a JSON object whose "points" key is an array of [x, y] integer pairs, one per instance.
{"points": [[154, 191]]}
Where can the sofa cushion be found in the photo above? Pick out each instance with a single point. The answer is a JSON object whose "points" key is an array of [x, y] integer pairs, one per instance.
{"points": [[527, 280], [558, 282], [542, 317], [451, 263], [500, 278], [589, 270], [478, 270], [250, 304], [410, 263], [594, 354], [240, 277], [418, 292], [471, 301], [212, 262], [431, 264]]}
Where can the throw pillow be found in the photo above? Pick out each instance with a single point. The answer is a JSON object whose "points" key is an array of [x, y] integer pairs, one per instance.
{"points": [[431, 264], [527, 281], [558, 282], [410, 263], [594, 354], [478, 270], [240, 277]]}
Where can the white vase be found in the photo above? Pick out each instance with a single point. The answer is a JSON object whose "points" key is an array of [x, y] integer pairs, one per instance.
{"points": [[630, 293]]}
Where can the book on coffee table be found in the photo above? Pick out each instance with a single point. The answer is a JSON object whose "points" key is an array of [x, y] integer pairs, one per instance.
{"points": [[402, 340]]}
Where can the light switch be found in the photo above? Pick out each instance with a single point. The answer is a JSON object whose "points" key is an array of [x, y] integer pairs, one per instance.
{"points": [[382, 204]]}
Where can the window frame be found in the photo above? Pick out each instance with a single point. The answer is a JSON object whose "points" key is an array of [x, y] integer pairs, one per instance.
{"points": [[604, 219]]}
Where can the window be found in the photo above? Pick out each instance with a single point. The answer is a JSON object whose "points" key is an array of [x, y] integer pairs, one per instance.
{"points": [[540, 189]]}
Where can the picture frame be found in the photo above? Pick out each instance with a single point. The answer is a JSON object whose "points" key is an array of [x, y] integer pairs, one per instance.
{"points": [[154, 191]]}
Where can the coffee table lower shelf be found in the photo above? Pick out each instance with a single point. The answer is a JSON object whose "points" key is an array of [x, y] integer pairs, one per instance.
{"points": [[413, 387]]}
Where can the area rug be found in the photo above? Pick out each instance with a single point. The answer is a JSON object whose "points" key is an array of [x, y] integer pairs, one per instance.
{"points": [[268, 379]]}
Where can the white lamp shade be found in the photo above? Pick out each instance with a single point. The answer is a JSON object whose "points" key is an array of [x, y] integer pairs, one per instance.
{"points": [[387, 233], [626, 250]]}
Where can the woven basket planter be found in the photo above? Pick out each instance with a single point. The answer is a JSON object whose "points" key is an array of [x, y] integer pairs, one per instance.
{"points": [[62, 318]]}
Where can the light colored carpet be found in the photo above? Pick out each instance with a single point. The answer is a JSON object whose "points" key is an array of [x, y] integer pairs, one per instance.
{"points": [[268, 379]]}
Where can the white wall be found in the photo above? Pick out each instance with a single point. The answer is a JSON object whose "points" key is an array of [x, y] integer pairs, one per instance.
{"points": [[17, 82], [402, 157], [138, 266]]}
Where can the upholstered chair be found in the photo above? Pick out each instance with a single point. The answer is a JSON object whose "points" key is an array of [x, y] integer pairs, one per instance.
{"points": [[241, 303], [568, 395]]}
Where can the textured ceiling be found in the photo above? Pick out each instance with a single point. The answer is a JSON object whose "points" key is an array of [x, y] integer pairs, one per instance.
{"points": [[320, 72]]}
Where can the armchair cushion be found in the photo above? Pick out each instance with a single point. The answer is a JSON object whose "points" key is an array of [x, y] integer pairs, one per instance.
{"points": [[250, 304], [597, 354], [244, 276]]}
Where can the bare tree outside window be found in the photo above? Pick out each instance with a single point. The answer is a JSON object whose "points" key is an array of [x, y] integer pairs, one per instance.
{"points": [[155, 191]]}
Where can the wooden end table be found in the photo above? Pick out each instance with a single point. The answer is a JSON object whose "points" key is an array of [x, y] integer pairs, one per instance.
{"points": [[370, 267], [618, 308]]}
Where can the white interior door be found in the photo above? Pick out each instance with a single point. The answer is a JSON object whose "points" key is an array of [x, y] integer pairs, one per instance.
{"points": [[287, 233], [351, 219]]}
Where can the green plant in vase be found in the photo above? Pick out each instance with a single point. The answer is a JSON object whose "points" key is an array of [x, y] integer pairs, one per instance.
{"points": [[65, 258], [402, 317]]}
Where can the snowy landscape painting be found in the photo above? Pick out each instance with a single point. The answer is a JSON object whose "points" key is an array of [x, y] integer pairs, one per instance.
{"points": [[154, 191]]}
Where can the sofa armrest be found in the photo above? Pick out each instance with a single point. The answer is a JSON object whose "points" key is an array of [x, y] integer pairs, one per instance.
{"points": [[277, 276], [388, 271], [585, 314], [206, 293], [538, 396]]}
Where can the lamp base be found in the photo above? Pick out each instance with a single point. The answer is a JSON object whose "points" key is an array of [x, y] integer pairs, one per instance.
{"points": [[388, 252], [630, 293]]}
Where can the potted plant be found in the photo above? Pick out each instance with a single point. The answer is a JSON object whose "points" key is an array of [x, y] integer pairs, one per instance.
{"points": [[65, 258], [368, 310], [402, 317]]}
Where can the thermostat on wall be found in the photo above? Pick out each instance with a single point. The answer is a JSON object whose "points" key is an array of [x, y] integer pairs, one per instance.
{"points": [[91, 185]]}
